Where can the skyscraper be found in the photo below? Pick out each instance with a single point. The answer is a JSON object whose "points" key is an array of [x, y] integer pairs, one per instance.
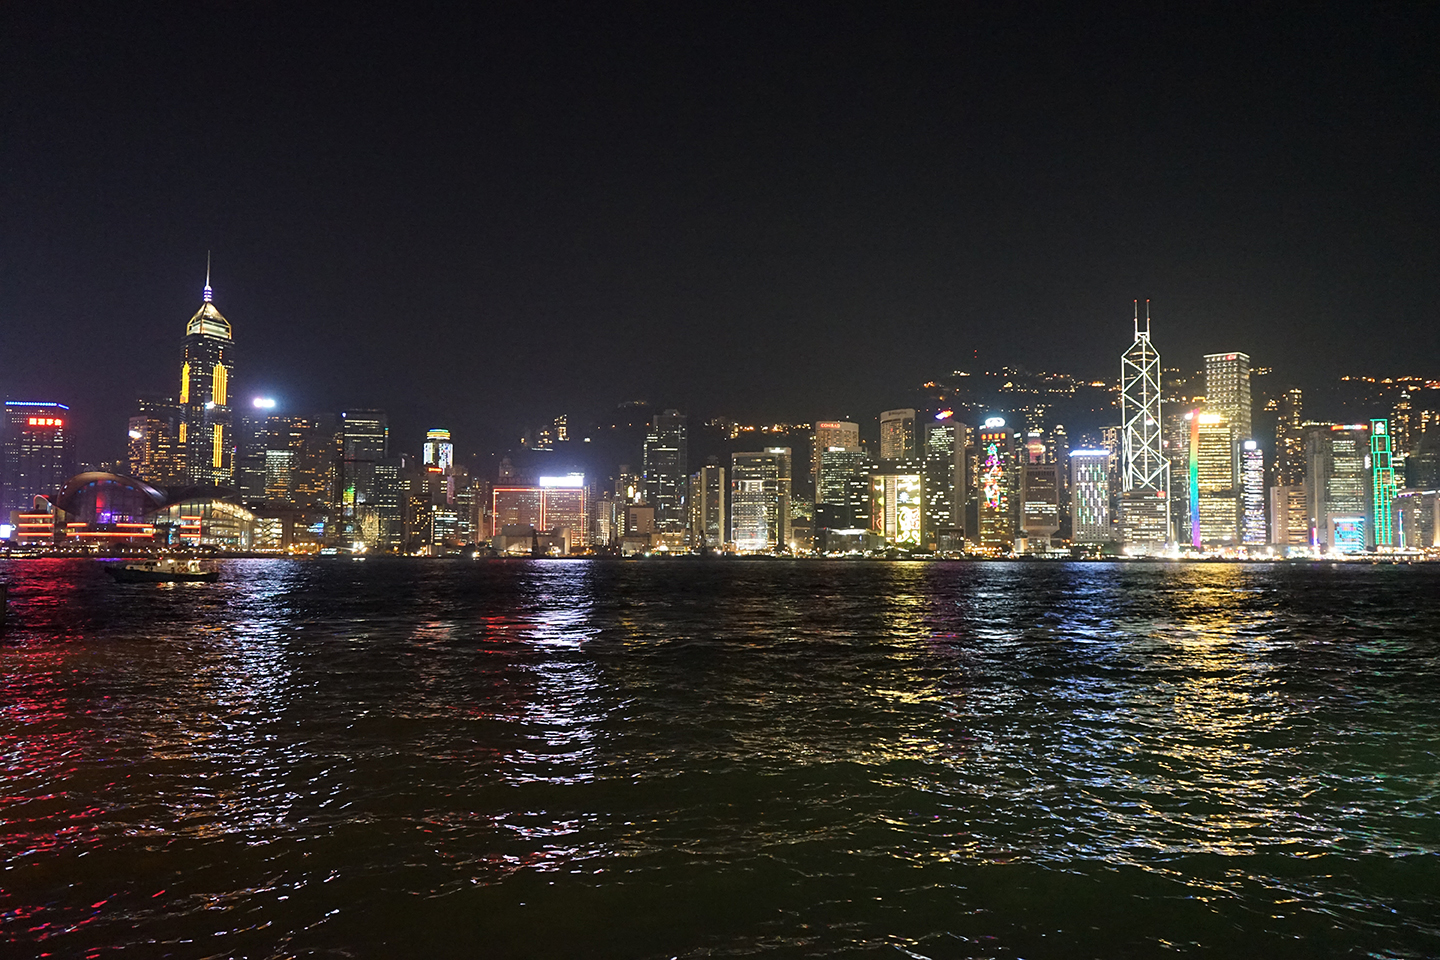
{"points": [[897, 503], [1252, 493], [707, 507], [897, 434], [666, 469], [760, 500], [1382, 484], [368, 510], [153, 430], [206, 441], [946, 487], [1227, 390], [1090, 496], [994, 481], [39, 454], [439, 451], [1145, 476], [1338, 485], [1214, 499], [843, 500], [829, 434], [1289, 439]]}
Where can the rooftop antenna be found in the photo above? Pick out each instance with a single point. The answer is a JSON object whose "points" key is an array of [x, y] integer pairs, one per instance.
{"points": [[1147, 316], [1137, 317], [208, 295]]}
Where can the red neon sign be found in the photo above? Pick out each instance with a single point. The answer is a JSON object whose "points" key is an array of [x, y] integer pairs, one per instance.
{"points": [[46, 422]]}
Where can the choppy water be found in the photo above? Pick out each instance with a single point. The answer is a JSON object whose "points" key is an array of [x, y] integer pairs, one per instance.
{"points": [[605, 759]]}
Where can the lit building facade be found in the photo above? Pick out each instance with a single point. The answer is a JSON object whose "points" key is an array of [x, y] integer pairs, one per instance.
{"points": [[1214, 499], [206, 439], [1290, 438], [946, 483], [1382, 485], [1227, 390], [843, 500], [994, 480], [152, 433], [1339, 485], [38, 454], [897, 504], [368, 507], [708, 487], [438, 451], [666, 469], [1417, 519], [897, 434], [760, 500], [554, 506], [1145, 472], [1090, 496], [830, 434], [1252, 493], [1289, 517], [1039, 502]]}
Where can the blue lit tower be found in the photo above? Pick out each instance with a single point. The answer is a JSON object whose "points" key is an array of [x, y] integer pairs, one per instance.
{"points": [[207, 440]]}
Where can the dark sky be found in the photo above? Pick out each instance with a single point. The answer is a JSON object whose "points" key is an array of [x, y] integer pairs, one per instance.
{"points": [[484, 218]]}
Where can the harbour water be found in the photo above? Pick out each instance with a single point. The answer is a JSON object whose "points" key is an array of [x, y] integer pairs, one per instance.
{"points": [[721, 758]]}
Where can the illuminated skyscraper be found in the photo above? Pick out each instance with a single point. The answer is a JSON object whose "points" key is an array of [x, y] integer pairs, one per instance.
{"points": [[829, 434], [1289, 439], [1382, 485], [897, 503], [1214, 499], [1227, 390], [995, 481], [206, 438], [1039, 502], [666, 469], [707, 506], [153, 431], [843, 500], [1338, 484], [39, 454], [1289, 519], [1145, 473], [369, 511], [1090, 496], [439, 451], [897, 434], [760, 500], [1252, 493], [946, 486]]}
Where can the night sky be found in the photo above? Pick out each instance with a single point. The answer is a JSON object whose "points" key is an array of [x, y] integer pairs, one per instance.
{"points": [[483, 219]]}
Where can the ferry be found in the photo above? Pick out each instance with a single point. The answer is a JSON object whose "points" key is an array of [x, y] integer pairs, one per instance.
{"points": [[161, 570]]}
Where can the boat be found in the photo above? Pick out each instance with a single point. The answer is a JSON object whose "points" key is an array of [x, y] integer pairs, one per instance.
{"points": [[161, 570]]}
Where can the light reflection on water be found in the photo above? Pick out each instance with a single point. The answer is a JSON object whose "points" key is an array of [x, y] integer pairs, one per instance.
{"points": [[691, 758]]}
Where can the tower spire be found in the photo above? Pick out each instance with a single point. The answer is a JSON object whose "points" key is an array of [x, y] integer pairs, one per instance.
{"points": [[208, 295], [1137, 316], [1147, 316]]}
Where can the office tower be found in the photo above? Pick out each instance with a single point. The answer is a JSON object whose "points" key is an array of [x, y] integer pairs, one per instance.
{"points": [[1090, 496], [1338, 485], [1422, 466], [666, 469], [897, 434], [438, 450], [828, 434], [1417, 519], [39, 455], [1227, 390], [707, 506], [1289, 518], [1039, 502], [364, 442], [760, 500], [1289, 439], [1214, 497], [153, 433], [1382, 485], [946, 486], [1252, 493], [300, 461], [250, 445], [897, 503], [206, 442], [842, 502], [1145, 473], [994, 479]]}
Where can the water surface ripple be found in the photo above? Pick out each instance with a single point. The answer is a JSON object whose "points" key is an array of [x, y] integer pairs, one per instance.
{"points": [[712, 758]]}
